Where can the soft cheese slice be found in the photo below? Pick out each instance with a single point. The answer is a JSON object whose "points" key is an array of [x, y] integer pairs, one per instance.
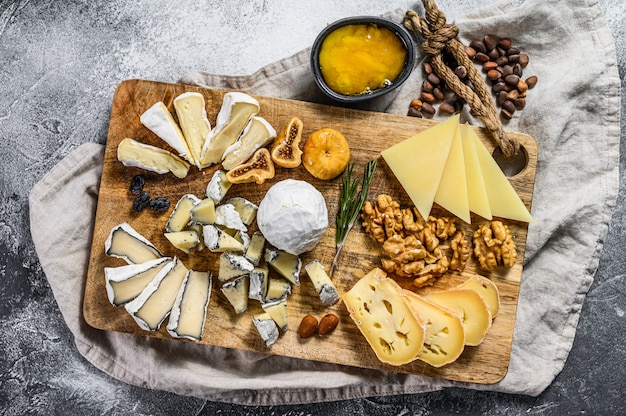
{"points": [[218, 241], [133, 153], [227, 215], [476, 191], [155, 303], [452, 192], [125, 283], [445, 338], [233, 265], [246, 209], [189, 311], [159, 120], [258, 133], [254, 251], [377, 306], [278, 312], [203, 212], [503, 199], [286, 264], [418, 162], [218, 186], [324, 287], [181, 214], [485, 288], [126, 243], [185, 240], [259, 281], [236, 111], [277, 289], [266, 327], [236, 292], [194, 123]]}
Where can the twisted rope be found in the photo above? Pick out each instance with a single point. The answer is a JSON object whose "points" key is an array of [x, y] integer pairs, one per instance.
{"points": [[439, 37]]}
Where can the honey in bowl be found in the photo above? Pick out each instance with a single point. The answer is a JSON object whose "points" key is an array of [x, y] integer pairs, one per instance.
{"points": [[357, 59]]}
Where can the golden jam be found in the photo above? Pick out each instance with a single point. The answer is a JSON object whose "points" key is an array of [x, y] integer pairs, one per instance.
{"points": [[360, 58]]}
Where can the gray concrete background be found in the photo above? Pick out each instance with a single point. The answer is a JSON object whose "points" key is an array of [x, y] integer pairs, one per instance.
{"points": [[59, 65]]}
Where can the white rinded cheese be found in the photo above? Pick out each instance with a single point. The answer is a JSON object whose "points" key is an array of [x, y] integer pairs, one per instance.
{"points": [[246, 209], [254, 251], [189, 311], [203, 212], [324, 287], [259, 279], [125, 283], [155, 302], [194, 123], [126, 243], [227, 215], [257, 134], [159, 120], [278, 312], [218, 186], [277, 289], [219, 241], [132, 153], [185, 240], [236, 291], [266, 327], [181, 214], [233, 265], [286, 264]]}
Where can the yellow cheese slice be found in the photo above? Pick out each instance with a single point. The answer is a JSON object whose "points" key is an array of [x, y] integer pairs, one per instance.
{"points": [[418, 162], [470, 307], [189, 311], [377, 306], [503, 199], [485, 288], [452, 191], [445, 337], [476, 191], [194, 123]]}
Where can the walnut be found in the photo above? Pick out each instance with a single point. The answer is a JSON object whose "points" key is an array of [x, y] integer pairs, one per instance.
{"points": [[494, 246], [460, 251]]}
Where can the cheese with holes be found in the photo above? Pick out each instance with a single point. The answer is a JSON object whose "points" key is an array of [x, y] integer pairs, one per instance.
{"points": [[236, 292], [259, 280], [503, 199], [233, 265], [219, 241], [486, 289], [203, 212], [444, 340], [191, 112], [324, 287], [377, 306], [418, 162], [125, 283], [144, 156], [189, 311], [181, 214], [185, 240], [218, 186], [155, 302], [258, 133], [452, 191], [470, 307], [126, 243], [286, 264], [278, 312], [476, 191], [266, 327], [254, 251], [159, 120]]}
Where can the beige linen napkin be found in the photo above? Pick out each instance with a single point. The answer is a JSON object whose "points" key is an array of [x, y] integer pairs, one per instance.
{"points": [[571, 114]]}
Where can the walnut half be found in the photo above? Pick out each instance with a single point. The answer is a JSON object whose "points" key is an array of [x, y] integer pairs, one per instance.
{"points": [[494, 246]]}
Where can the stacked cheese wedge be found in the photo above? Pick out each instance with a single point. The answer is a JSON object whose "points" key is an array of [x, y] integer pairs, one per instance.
{"points": [[447, 164], [402, 326]]}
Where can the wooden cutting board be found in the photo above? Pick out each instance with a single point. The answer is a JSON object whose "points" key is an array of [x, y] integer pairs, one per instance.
{"points": [[368, 133]]}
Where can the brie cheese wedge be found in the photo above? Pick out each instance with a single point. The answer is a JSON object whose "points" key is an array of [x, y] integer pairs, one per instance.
{"points": [[254, 251], [257, 134], [135, 154], [233, 265], [219, 241], [259, 279], [278, 312], [236, 291], [185, 240], [159, 120], [218, 186], [266, 327], [324, 287], [227, 215], [246, 209], [194, 123], [189, 311], [181, 214], [286, 264], [125, 283], [126, 243]]}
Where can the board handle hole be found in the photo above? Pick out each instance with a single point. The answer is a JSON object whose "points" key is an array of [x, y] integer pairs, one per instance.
{"points": [[513, 165]]}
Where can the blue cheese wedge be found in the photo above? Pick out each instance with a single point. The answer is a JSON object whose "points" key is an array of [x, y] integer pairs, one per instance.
{"points": [[185, 240], [227, 215], [236, 292], [266, 327], [258, 133], [246, 209], [159, 120], [277, 289], [234, 115], [218, 186], [254, 251], [324, 287], [181, 214], [154, 159], [125, 283], [233, 265], [190, 307], [286, 264], [155, 302], [278, 312], [191, 112], [203, 212], [259, 279], [126, 243], [219, 241]]}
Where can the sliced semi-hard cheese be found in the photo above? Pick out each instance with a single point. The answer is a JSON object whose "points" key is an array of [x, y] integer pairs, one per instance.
{"points": [[246, 209], [185, 240], [236, 291], [259, 280], [503, 199], [233, 265], [236, 111], [155, 302], [278, 312], [159, 120], [470, 307], [219, 241], [286, 264], [445, 338], [485, 288], [452, 192], [218, 186], [257, 134], [181, 215], [418, 162], [126, 243], [266, 327], [125, 283], [132, 153], [324, 287], [189, 311], [476, 191], [377, 306], [254, 251], [194, 123]]}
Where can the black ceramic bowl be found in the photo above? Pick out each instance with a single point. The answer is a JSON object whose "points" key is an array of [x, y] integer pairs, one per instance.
{"points": [[403, 35]]}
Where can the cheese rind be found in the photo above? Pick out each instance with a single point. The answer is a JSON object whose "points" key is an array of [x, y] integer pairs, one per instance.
{"points": [[190, 307], [126, 243], [154, 159], [236, 292], [203, 212], [181, 214], [227, 215], [278, 312], [376, 305], [286, 264], [218, 186], [324, 287], [192, 116], [185, 240], [246, 209], [266, 327], [259, 282], [219, 241], [159, 120], [125, 283], [277, 289], [233, 265], [254, 251]]}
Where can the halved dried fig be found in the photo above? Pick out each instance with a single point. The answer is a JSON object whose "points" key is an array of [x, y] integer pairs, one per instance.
{"points": [[258, 169], [286, 151]]}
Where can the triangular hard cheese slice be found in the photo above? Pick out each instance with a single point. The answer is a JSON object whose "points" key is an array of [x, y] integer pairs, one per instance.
{"points": [[476, 191], [418, 162], [503, 200], [452, 191]]}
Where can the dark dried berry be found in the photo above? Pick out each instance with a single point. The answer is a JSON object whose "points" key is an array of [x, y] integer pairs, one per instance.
{"points": [[136, 184], [141, 201], [160, 204]]}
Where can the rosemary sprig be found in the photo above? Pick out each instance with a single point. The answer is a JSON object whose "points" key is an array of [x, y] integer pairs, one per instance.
{"points": [[350, 204]]}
